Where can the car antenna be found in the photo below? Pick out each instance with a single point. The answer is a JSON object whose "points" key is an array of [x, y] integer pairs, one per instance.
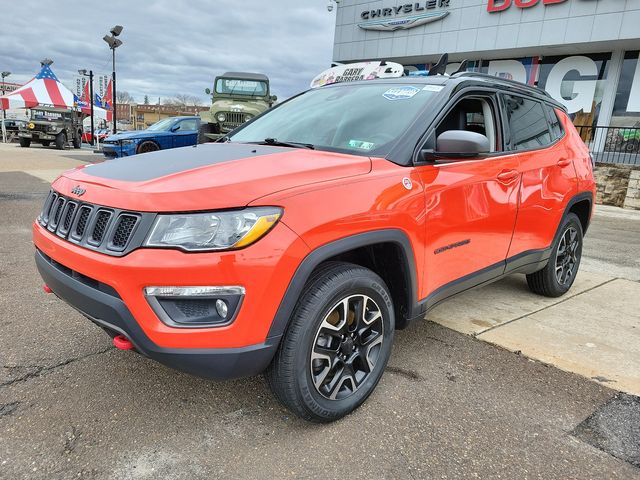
{"points": [[440, 67]]}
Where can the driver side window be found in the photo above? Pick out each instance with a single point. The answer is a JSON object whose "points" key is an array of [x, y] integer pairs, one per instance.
{"points": [[473, 114]]}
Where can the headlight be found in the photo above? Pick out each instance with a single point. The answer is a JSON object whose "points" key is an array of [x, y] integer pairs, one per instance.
{"points": [[128, 142], [221, 117], [247, 117], [212, 231], [52, 128]]}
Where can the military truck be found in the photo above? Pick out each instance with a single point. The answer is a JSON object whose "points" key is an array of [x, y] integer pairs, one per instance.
{"points": [[51, 125], [237, 97]]}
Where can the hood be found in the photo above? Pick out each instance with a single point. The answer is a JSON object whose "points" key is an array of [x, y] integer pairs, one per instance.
{"points": [[206, 177], [134, 134]]}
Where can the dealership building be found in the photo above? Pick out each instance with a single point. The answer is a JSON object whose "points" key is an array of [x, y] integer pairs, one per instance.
{"points": [[585, 53]]}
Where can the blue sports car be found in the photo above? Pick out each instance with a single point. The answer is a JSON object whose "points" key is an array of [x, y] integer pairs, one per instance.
{"points": [[167, 133]]}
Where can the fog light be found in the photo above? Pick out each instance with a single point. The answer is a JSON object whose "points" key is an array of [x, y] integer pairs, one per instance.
{"points": [[221, 308]]}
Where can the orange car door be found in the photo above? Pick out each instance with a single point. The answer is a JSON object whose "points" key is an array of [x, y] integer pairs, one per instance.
{"points": [[548, 175], [471, 207]]}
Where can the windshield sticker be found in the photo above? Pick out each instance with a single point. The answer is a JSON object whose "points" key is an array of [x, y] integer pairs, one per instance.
{"points": [[400, 93], [362, 145], [432, 88]]}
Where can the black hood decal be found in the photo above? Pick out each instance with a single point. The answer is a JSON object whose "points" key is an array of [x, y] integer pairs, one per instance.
{"points": [[149, 166]]}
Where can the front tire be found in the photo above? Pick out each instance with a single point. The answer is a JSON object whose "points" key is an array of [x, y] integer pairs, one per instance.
{"points": [[25, 142], [148, 146], [337, 344], [46, 143], [61, 140], [557, 277]]}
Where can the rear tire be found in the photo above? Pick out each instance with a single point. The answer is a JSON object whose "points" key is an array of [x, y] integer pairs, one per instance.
{"points": [[61, 140], [46, 143], [557, 277], [76, 141], [25, 142], [344, 319]]}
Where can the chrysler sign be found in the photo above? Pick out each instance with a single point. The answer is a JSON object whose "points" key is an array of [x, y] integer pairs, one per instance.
{"points": [[404, 16]]}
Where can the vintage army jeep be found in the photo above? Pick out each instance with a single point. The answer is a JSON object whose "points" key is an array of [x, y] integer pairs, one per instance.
{"points": [[51, 125], [236, 98]]}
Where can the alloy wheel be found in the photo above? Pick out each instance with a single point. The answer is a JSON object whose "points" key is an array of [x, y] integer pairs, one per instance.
{"points": [[346, 347], [567, 255]]}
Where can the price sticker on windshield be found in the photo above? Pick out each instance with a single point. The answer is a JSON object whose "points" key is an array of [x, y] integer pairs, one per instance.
{"points": [[400, 93]]}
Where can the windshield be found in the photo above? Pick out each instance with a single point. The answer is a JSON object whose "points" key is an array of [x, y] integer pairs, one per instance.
{"points": [[47, 115], [162, 125], [233, 86], [357, 118]]}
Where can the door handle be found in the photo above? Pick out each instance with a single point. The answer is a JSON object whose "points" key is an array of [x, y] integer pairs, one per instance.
{"points": [[564, 162], [508, 176]]}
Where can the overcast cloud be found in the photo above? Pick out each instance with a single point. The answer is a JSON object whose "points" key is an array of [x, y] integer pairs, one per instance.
{"points": [[170, 47]]}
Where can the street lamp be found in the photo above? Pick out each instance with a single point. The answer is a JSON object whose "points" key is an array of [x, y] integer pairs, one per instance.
{"points": [[84, 73], [114, 43], [4, 112]]}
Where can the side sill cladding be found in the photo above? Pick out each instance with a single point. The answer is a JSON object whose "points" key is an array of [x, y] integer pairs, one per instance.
{"points": [[330, 250]]}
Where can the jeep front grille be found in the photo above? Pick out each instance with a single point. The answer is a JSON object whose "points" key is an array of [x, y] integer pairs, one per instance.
{"points": [[233, 120], [105, 229]]}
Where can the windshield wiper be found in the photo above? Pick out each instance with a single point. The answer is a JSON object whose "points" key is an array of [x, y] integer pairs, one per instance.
{"points": [[276, 142]]}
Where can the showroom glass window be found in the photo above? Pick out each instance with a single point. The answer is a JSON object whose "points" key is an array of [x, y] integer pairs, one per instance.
{"points": [[626, 110]]}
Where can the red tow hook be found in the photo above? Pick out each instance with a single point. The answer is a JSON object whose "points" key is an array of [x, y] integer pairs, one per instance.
{"points": [[47, 289], [122, 343]]}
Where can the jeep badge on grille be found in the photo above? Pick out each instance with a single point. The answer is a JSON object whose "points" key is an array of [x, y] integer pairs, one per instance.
{"points": [[78, 190]]}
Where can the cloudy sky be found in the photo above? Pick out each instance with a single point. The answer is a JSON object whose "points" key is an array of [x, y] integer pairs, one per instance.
{"points": [[170, 47]]}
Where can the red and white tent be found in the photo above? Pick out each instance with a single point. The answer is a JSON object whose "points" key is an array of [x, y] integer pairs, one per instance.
{"points": [[43, 90]]}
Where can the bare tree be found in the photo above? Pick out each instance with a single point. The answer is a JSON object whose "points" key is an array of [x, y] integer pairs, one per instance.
{"points": [[122, 97], [184, 100]]}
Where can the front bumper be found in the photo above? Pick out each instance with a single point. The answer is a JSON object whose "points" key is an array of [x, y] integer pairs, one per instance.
{"points": [[103, 306], [115, 150], [36, 136]]}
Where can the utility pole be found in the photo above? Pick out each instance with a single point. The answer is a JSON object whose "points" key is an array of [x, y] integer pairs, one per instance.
{"points": [[90, 75], [4, 112], [114, 43]]}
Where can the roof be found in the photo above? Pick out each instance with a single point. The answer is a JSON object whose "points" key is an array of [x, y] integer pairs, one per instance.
{"points": [[246, 76], [464, 78]]}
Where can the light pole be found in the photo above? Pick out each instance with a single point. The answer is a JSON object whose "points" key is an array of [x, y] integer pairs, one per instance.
{"points": [[4, 112], [114, 43], [83, 72]]}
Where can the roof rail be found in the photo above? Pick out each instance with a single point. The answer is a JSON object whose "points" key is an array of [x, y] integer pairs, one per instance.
{"points": [[514, 83]]}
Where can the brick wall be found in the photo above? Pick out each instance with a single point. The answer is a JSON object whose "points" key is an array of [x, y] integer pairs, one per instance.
{"points": [[632, 199]]}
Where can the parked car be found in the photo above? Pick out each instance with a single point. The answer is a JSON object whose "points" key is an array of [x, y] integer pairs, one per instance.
{"points": [[51, 125], [101, 134], [167, 133], [297, 248]]}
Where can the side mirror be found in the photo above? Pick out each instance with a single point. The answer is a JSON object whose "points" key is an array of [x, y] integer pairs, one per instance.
{"points": [[175, 128], [207, 91], [461, 143], [274, 98]]}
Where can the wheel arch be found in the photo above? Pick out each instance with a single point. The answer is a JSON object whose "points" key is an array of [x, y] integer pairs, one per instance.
{"points": [[360, 249], [582, 206]]}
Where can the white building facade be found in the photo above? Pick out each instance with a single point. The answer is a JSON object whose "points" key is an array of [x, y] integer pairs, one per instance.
{"points": [[585, 53]]}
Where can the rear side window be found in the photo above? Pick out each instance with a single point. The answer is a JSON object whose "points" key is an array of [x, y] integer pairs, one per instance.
{"points": [[554, 123], [527, 122]]}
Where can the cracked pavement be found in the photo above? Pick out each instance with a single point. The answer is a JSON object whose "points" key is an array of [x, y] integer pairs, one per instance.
{"points": [[449, 405]]}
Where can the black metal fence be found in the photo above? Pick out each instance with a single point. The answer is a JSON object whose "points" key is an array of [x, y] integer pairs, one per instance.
{"points": [[612, 144]]}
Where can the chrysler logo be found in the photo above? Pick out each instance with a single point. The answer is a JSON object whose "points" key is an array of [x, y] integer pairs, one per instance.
{"points": [[78, 190], [395, 18]]}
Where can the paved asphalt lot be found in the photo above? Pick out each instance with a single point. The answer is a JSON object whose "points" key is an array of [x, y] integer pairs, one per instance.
{"points": [[449, 406]]}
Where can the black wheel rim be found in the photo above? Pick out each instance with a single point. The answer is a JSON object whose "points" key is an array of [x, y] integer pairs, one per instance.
{"points": [[567, 256], [147, 147], [346, 347]]}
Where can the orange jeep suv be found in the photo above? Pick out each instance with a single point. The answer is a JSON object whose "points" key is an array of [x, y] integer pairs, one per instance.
{"points": [[297, 244]]}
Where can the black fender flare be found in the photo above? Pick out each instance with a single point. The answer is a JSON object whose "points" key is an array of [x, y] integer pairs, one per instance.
{"points": [[329, 250], [579, 197]]}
